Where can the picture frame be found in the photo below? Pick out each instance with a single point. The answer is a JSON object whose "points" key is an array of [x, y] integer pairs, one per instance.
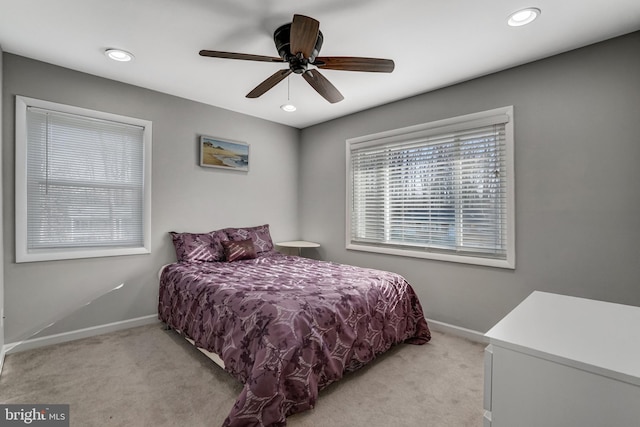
{"points": [[224, 153]]}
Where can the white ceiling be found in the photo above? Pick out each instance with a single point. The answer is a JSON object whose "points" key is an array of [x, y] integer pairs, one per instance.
{"points": [[434, 43]]}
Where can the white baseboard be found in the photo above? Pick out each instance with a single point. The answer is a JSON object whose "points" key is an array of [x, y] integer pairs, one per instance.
{"points": [[30, 344], [469, 334]]}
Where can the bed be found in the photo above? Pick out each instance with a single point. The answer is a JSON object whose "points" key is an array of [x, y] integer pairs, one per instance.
{"points": [[284, 326]]}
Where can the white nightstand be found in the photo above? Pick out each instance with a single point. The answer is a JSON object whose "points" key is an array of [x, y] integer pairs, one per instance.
{"points": [[298, 244]]}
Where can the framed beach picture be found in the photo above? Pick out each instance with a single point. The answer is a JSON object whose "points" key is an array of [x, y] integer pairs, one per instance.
{"points": [[224, 153]]}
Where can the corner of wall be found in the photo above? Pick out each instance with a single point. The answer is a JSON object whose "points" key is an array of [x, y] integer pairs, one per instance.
{"points": [[2, 349]]}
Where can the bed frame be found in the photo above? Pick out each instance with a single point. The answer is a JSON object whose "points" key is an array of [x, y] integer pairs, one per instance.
{"points": [[214, 357]]}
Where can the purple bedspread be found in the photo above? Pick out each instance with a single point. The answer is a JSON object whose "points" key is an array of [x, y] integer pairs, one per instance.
{"points": [[287, 326]]}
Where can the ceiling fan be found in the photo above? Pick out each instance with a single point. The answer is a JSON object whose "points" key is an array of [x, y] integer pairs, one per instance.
{"points": [[298, 44]]}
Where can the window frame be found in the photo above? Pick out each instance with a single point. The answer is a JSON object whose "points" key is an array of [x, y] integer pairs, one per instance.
{"points": [[23, 254], [431, 128]]}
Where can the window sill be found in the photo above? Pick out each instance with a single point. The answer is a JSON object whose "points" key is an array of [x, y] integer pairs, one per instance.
{"points": [[55, 255], [509, 263]]}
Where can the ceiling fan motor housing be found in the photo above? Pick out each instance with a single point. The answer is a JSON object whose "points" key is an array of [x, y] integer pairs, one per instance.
{"points": [[298, 64]]}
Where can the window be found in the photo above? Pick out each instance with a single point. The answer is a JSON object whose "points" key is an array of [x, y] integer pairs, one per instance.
{"points": [[83, 182], [441, 190]]}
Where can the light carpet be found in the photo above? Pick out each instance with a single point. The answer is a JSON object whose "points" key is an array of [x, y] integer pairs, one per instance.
{"points": [[147, 376]]}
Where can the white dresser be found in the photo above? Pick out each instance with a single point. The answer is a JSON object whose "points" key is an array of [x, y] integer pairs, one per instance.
{"points": [[559, 361]]}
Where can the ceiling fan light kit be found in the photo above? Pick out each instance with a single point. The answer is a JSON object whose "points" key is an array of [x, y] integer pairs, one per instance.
{"points": [[298, 44]]}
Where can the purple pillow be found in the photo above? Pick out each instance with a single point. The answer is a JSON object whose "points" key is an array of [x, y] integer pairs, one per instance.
{"points": [[259, 234], [237, 250], [203, 247]]}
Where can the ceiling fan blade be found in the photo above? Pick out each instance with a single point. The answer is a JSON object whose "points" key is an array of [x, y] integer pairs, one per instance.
{"points": [[270, 82], [352, 63], [323, 86], [303, 35], [244, 56]]}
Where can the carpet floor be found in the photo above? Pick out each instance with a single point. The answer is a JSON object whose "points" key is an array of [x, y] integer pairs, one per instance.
{"points": [[147, 376]]}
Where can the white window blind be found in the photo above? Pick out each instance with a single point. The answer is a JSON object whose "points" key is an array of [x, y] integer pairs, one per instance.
{"points": [[442, 190], [85, 184]]}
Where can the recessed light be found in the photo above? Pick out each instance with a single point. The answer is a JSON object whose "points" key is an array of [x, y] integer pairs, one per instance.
{"points": [[118, 55], [523, 16], [289, 108]]}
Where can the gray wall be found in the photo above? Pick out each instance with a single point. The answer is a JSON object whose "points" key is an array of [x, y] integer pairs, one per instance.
{"points": [[185, 197], [577, 199], [577, 148]]}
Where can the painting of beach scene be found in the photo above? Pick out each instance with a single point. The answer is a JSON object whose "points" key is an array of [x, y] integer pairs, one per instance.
{"points": [[219, 153]]}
